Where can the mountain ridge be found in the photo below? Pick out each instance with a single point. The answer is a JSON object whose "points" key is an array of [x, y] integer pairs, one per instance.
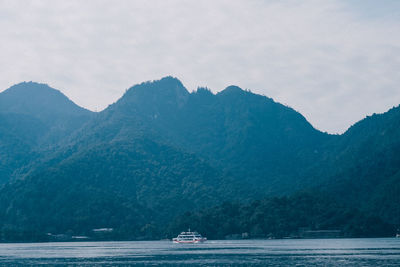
{"points": [[162, 147]]}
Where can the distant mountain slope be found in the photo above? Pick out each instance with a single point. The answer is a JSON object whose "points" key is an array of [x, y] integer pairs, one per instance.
{"points": [[160, 150], [168, 150], [18, 135], [121, 185], [38, 100], [244, 134], [59, 114], [363, 165], [34, 117]]}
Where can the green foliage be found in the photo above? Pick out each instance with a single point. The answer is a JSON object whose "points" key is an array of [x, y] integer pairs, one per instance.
{"points": [[362, 166], [281, 217], [160, 151]]}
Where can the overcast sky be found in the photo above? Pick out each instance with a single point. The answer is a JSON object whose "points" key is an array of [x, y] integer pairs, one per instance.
{"points": [[333, 61]]}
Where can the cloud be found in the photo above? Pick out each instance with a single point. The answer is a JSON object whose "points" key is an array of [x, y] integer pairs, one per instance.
{"points": [[334, 61]]}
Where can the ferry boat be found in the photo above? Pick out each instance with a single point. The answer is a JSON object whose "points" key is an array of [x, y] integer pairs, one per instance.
{"points": [[189, 237]]}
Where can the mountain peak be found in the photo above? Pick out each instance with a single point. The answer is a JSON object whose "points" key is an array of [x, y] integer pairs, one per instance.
{"points": [[169, 80], [166, 84], [33, 98], [232, 89], [166, 91], [30, 88]]}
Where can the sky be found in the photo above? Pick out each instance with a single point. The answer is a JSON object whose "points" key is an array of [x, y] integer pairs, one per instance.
{"points": [[334, 61]]}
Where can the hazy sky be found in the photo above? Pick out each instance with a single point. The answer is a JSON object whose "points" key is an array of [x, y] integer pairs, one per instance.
{"points": [[334, 61]]}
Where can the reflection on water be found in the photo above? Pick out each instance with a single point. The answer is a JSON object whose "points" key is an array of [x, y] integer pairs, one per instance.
{"points": [[300, 252]]}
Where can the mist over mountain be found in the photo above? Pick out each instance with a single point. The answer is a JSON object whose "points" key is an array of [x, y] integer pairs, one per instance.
{"points": [[160, 151]]}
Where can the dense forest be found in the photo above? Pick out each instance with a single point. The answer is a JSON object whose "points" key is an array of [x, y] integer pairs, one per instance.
{"points": [[299, 216], [281, 217], [161, 159]]}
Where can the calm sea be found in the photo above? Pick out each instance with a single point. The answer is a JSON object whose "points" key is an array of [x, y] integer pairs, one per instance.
{"points": [[300, 252]]}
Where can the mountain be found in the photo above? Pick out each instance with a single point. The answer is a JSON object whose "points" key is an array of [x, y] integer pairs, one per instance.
{"points": [[34, 117], [58, 114], [160, 151], [241, 133], [363, 165], [18, 135], [354, 187], [119, 185]]}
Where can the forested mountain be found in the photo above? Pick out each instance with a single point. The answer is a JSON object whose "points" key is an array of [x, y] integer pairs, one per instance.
{"points": [[363, 165], [160, 151], [33, 118], [43, 103], [238, 132], [18, 135]]}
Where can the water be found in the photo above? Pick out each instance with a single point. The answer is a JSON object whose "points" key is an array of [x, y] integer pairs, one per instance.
{"points": [[300, 252]]}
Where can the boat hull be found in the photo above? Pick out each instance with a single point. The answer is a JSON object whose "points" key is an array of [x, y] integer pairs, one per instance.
{"points": [[189, 241]]}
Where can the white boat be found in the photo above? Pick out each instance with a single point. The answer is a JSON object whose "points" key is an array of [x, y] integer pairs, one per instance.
{"points": [[189, 237]]}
